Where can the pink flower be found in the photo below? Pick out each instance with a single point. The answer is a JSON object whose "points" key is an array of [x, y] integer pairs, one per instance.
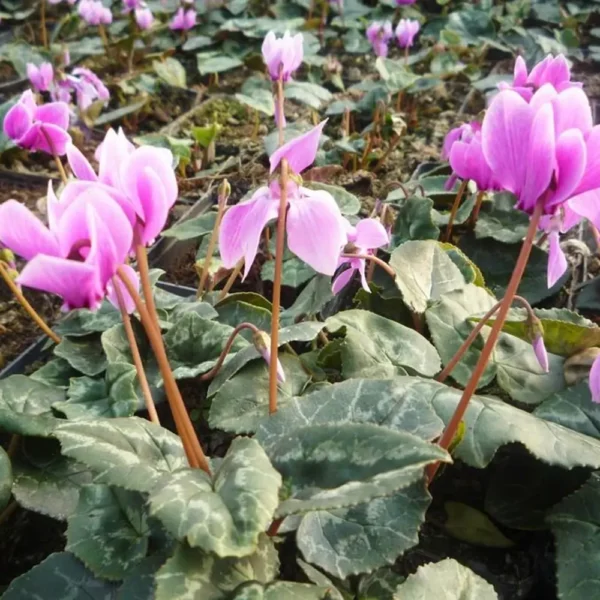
{"points": [[540, 352], [262, 342], [406, 31], [365, 238], [283, 56], [183, 19], [144, 18], [78, 255], [315, 227], [38, 128], [59, 1], [595, 380], [88, 87], [379, 34], [552, 70], [40, 77], [130, 5], [141, 180], [93, 12]]}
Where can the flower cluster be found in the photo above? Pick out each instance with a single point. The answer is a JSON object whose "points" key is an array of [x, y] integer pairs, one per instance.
{"points": [[99, 220], [380, 33], [93, 12]]}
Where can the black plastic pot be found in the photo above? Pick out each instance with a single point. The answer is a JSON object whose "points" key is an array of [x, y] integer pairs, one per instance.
{"points": [[41, 348]]}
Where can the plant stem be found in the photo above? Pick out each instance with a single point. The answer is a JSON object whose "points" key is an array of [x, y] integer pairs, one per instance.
{"points": [[387, 152], [213, 372], [511, 290], [222, 204], [280, 110], [376, 260], [231, 280], [14, 288], [279, 249], [43, 23], [477, 208], [406, 56], [8, 511], [144, 270], [135, 353], [103, 37], [185, 428], [457, 200], [58, 162]]}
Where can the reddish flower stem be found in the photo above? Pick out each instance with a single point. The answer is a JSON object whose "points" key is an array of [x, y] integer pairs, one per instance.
{"points": [[44, 32], [135, 353], [376, 260], [231, 279], [280, 109], [477, 208], [457, 200], [511, 290], [279, 249]]}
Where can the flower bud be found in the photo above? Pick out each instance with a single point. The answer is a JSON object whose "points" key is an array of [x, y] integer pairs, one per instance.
{"points": [[536, 335], [262, 342]]}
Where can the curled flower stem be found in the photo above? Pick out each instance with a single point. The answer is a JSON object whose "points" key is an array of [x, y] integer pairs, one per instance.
{"points": [[135, 353], [213, 372], [18, 294], [279, 249], [183, 423], [43, 23], [59, 165], [231, 279], [376, 260], [486, 352], [457, 200], [222, 204]]}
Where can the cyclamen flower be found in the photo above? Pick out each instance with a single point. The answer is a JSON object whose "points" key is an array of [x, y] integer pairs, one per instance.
{"points": [[141, 180], [130, 5], [365, 238], [379, 34], [314, 225], [77, 256], [93, 12], [406, 31], [262, 343], [183, 19], [144, 18], [595, 380], [40, 77], [283, 56], [552, 70], [38, 128]]}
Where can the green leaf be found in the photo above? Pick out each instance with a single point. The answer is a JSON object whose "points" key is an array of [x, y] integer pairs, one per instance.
{"points": [[194, 344], [279, 590], [470, 525], [364, 537], [349, 203], [243, 401], [335, 466], [191, 574], [235, 312], [119, 113], [83, 353], [25, 406], [513, 361], [261, 100], [224, 515], [414, 221], [311, 300], [83, 321], [215, 62], [381, 347], [445, 580], [206, 135], [171, 71], [46, 482], [139, 583], [197, 41], [191, 229], [56, 372], [295, 272], [575, 525], [129, 452], [424, 273], [310, 94], [6, 479], [61, 575], [501, 221], [380, 585], [108, 531]]}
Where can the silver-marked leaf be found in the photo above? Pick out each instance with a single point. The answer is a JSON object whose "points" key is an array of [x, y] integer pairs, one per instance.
{"points": [[61, 575], [300, 332], [129, 452], [365, 537], [25, 406], [575, 523], [379, 346], [280, 590], [295, 272], [380, 584], [311, 300], [424, 273], [82, 321], [6, 478], [445, 580], [139, 583], [318, 578], [56, 372], [108, 531], [83, 353], [47, 482], [311, 94], [227, 514], [191, 574], [194, 344], [242, 403], [171, 71], [333, 466], [236, 312]]}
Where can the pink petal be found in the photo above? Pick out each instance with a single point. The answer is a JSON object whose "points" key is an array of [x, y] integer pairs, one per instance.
{"points": [[80, 165], [111, 294], [242, 226], [540, 353], [111, 154], [46, 138], [315, 229], [595, 380], [23, 233], [54, 208], [53, 113], [570, 162], [156, 208], [76, 282], [520, 72], [299, 152], [591, 177], [557, 262], [370, 233], [17, 122], [572, 110], [342, 280]]}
